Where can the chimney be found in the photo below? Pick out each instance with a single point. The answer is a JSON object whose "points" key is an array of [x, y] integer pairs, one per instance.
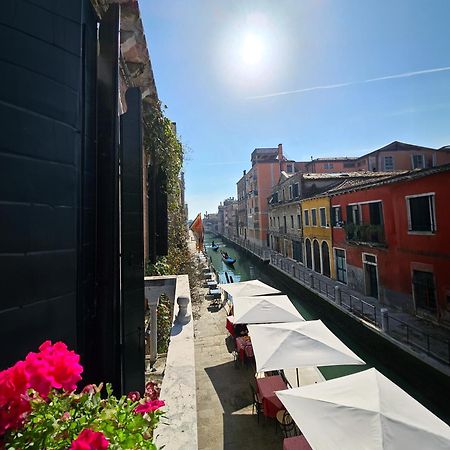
{"points": [[245, 172], [280, 152]]}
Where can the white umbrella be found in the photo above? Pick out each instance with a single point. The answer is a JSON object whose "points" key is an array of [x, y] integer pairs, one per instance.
{"points": [[265, 309], [298, 344], [364, 411], [248, 288]]}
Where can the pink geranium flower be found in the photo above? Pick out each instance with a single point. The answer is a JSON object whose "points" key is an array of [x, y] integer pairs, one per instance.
{"points": [[53, 367], [149, 406], [90, 440], [134, 396]]}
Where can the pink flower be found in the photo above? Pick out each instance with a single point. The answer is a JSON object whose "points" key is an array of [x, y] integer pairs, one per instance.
{"points": [[53, 367], [14, 402], [149, 406], [152, 391], [90, 440], [134, 396]]}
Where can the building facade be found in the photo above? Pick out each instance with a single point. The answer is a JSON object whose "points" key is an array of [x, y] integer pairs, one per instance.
{"points": [[390, 241], [255, 187], [402, 156], [317, 235]]}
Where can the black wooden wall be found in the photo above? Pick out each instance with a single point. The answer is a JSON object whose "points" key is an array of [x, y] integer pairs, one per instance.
{"points": [[60, 267], [46, 185]]}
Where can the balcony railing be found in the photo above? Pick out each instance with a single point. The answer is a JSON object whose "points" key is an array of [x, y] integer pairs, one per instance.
{"points": [[373, 234]]}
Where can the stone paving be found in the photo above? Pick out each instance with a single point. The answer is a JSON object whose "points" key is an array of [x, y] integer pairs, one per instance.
{"points": [[224, 406]]}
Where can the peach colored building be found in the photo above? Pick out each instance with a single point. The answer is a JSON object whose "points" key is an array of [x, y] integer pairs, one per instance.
{"points": [[401, 156], [392, 157], [255, 187]]}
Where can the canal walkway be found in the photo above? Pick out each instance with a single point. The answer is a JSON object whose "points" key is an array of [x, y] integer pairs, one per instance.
{"points": [[419, 337], [224, 400]]}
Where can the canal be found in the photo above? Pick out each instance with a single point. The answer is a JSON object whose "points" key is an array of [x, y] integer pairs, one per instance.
{"points": [[427, 385]]}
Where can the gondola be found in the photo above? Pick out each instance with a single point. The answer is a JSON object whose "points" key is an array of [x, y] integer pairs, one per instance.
{"points": [[215, 247], [227, 259]]}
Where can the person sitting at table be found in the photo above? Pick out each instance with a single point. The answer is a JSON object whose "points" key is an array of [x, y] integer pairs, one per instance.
{"points": [[241, 329]]}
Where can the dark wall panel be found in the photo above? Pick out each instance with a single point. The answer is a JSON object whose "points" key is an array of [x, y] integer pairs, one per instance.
{"points": [[42, 154]]}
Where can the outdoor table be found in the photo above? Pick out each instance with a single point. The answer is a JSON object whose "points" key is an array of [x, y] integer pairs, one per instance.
{"points": [[244, 347], [230, 326], [208, 275], [212, 284], [267, 387], [296, 443]]}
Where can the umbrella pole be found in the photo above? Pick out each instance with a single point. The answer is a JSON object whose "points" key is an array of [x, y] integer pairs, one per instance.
{"points": [[298, 377]]}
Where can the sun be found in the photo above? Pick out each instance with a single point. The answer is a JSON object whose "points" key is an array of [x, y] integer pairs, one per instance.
{"points": [[252, 49]]}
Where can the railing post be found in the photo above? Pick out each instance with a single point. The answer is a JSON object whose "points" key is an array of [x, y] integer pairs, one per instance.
{"points": [[153, 303], [183, 317], [338, 295], [384, 320]]}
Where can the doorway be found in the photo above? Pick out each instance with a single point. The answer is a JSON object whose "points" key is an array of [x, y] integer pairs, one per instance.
{"points": [[370, 275]]}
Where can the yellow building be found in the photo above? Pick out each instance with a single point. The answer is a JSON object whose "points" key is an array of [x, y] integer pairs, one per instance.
{"points": [[317, 235]]}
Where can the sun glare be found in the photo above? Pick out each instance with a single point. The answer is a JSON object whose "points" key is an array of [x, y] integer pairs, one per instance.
{"points": [[252, 49]]}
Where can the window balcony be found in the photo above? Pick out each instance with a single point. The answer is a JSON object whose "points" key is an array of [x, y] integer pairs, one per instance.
{"points": [[365, 233]]}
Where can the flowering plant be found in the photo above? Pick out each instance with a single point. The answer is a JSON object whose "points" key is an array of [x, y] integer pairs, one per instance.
{"points": [[39, 408]]}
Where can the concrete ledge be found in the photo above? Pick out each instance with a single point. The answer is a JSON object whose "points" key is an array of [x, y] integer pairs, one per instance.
{"points": [[178, 429]]}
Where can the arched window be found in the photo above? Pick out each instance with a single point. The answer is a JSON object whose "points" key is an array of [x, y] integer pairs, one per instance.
{"points": [[308, 254], [316, 252], [326, 260]]}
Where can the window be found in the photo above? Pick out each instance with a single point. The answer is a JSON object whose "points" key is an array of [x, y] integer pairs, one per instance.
{"points": [[347, 165], [299, 221], [314, 217], [306, 217], [278, 222], [388, 163], [295, 190], [292, 221], [323, 217], [328, 165], [284, 223], [376, 213], [284, 194], [424, 290], [289, 168], [421, 213], [290, 192], [418, 162], [270, 220], [336, 216], [353, 214]]}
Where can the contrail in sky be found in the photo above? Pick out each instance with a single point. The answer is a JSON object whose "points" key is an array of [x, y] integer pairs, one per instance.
{"points": [[335, 86]]}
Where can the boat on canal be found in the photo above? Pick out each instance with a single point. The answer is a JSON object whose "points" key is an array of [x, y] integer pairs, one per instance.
{"points": [[227, 259], [215, 247]]}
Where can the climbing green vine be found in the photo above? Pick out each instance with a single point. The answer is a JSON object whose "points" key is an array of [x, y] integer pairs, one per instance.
{"points": [[165, 150]]}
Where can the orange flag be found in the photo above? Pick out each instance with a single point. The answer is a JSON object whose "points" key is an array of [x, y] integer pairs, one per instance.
{"points": [[197, 229]]}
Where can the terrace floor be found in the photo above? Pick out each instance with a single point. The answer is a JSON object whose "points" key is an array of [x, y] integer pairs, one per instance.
{"points": [[224, 401]]}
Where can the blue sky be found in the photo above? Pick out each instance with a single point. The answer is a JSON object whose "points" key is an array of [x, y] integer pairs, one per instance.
{"points": [[322, 77]]}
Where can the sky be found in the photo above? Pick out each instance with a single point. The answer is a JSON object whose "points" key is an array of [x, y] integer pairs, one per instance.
{"points": [[325, 78]]}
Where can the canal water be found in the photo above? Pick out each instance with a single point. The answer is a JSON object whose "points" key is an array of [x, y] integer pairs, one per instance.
{"points": [[427, 385]]}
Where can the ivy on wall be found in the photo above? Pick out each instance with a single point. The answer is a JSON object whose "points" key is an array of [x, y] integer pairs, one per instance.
{"points": [[165, 150]]}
